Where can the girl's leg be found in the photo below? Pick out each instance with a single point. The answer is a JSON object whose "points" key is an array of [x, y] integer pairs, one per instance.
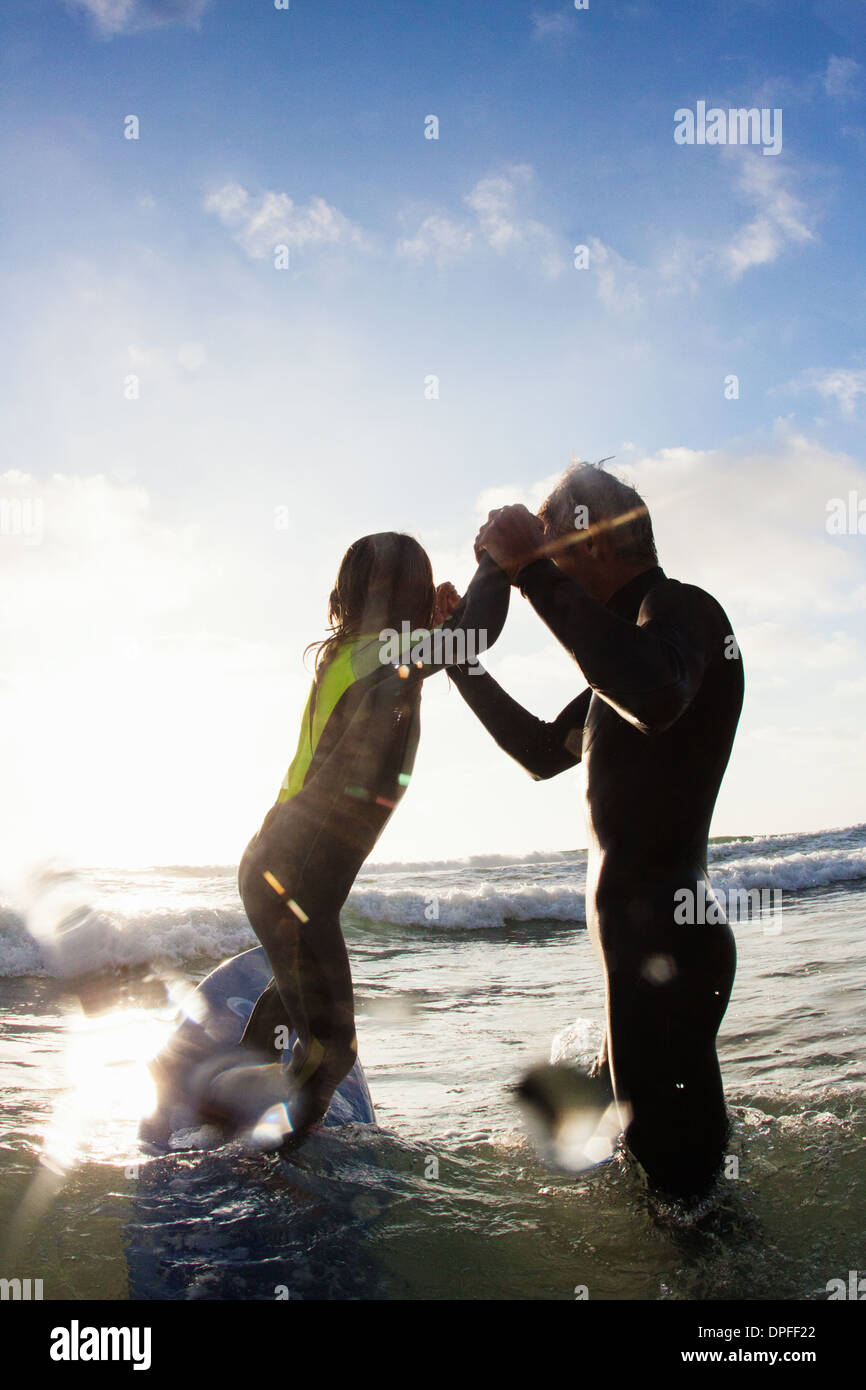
{"points": [[311, 990], [327, 1046], [275, 1008]]}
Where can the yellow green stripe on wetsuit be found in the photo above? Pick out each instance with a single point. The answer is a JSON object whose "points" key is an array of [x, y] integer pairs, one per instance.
{"points": [[353, 661]]}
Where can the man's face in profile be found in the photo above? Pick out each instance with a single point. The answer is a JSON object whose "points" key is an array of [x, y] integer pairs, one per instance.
{"points": [[584, 556], [568, 550]]}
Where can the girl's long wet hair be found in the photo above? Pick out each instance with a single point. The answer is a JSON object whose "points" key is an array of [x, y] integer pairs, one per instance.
{"points": [[384, 580]]}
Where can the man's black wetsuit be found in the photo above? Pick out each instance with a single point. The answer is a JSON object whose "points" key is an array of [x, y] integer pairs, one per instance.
{"points": [[655, 731], [353, 765]]}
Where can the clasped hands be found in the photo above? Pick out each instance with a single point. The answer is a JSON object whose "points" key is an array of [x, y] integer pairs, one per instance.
{"points": [[513, 537]]}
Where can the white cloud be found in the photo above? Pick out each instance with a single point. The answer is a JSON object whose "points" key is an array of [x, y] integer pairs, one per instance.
{"points": [[495, 220], [551, 24], [617, 278], [494, 202], [130, 16], [439, 239], [260, 224], [779, 220], [752, 523], [841, 79], [842, 384], [845, 385]]}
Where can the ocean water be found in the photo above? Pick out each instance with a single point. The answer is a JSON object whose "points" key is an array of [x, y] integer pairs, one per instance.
{"points": [[466, 973]]}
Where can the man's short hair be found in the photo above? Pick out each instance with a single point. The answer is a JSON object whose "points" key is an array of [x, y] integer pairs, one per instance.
{"points": [[608, 505]]}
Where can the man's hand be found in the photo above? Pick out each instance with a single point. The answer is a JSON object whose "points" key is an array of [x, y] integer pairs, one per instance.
{"points": [[513, 537], [446, 602]]}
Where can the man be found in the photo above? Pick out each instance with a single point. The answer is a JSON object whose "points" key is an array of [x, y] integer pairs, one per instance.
{"points": [[654, 730]]}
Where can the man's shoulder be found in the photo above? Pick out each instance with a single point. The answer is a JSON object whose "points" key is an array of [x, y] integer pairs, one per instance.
{"points": [[669, 596]]}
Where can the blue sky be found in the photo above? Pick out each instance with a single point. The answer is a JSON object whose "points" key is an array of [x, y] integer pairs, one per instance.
{"points": [[153, 650]]}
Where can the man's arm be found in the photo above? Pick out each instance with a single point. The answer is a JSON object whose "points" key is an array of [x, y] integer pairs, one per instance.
{"points": [[649, 673], [543, 749]]}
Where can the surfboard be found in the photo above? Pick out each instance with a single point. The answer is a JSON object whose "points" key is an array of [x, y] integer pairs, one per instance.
{"points": [[216, 1017]]}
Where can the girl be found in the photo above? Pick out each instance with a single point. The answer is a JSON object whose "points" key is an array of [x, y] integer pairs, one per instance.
{"points": [[353, 762]]}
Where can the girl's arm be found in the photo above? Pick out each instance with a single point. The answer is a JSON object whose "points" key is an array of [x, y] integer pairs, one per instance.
{"points": [[474, 626]]}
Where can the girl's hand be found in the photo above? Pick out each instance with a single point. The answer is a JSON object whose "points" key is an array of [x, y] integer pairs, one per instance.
{"points": [[446, 602]]}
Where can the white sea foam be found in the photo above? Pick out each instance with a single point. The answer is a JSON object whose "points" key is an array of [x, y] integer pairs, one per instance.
{"points": [[484, 905], [176, 917], [792, 872], [577, 1044], [164, 938], [486, 900]]}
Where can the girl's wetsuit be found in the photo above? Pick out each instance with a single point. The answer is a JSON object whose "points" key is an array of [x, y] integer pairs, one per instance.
{"points": [[353, 763]]}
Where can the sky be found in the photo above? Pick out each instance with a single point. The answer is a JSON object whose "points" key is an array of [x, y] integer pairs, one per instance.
{"points": [[198, 424]]}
